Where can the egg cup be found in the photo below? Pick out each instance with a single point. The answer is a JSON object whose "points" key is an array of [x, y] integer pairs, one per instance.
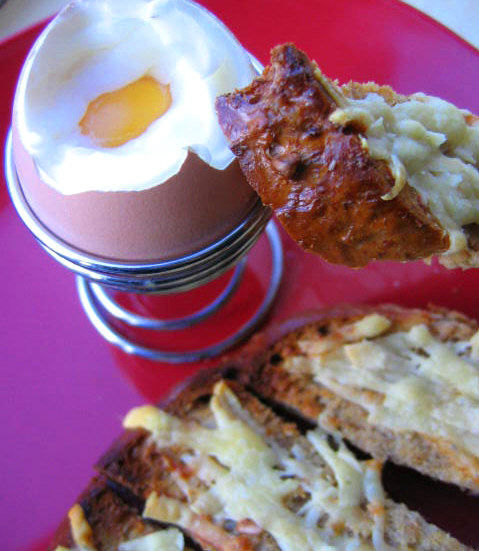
{"points": [[95, 275], [174, 236]]}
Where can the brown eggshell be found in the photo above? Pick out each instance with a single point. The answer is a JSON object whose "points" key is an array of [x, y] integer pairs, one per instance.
{"points": [[187, 212]]}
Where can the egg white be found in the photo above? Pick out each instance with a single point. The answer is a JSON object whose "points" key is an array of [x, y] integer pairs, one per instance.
{"points": [[98, 46]]}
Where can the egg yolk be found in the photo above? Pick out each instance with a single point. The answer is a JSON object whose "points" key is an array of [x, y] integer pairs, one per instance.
{"points": [[117, 117]]}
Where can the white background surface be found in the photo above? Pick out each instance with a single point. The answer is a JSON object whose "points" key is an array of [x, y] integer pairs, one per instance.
{"points": [[462, 16]]}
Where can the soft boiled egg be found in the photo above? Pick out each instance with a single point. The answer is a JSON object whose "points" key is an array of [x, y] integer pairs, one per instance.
{"points": [[115, 136]]}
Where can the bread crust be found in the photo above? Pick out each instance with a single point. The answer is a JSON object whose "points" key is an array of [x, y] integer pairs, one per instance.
{"points": [[318, 177], [260, 368], [111, 519]]}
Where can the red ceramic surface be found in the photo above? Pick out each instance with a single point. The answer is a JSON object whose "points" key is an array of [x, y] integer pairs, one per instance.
{"points": [[63, 390]]}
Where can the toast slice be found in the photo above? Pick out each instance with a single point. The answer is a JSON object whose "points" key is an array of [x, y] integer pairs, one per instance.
{"points": [[233, 475], [400, 384], [358, 173], [256, 456]]}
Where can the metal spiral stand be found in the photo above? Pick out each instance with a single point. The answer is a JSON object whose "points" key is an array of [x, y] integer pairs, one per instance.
{"points": [[95, 275]]}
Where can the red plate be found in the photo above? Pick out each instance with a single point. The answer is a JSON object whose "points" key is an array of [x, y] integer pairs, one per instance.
{"points": [[64, 390]]}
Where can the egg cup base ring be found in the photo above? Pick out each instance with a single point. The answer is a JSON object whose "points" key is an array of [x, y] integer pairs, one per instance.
{"points": [[99, 311]]}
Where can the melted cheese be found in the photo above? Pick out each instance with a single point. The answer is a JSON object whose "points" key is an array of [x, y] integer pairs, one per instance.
{"points": [[347, 470], [80, 529], [369, 326], [167, 509], [420, 383], [372, 325], [163, 540], [375, 495], [249, 476], [174, 511], [427, 142], [475, 347]]}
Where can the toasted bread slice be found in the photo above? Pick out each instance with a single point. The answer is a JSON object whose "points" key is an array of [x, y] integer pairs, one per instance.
{"points": [[250, 456], [357, 173], [233, 475], [401, 384]]}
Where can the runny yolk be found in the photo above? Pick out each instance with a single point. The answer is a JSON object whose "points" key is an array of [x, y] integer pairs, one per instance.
{"points": [[115, 118]]}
